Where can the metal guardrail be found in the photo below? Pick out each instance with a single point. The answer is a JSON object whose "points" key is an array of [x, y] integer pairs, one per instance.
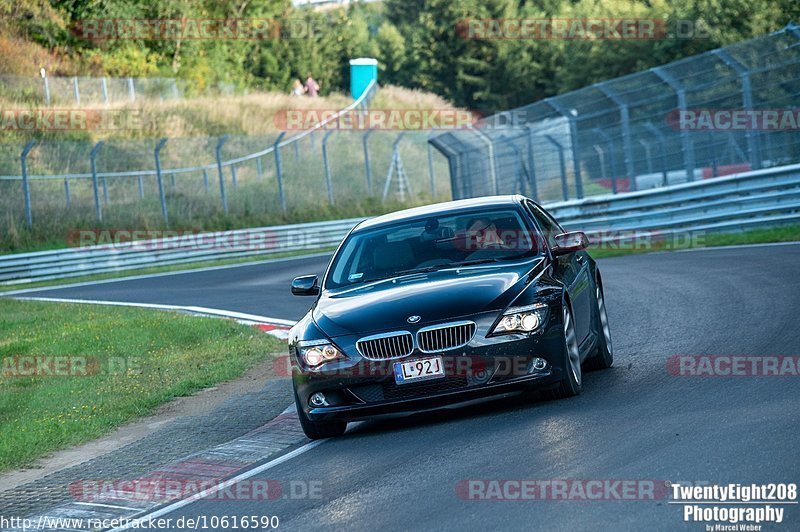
{"points": [[753, 199], [184, 249]]}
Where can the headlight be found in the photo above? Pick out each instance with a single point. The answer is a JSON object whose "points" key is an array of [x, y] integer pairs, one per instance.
{"points": [[522, 319], [315, 353]]}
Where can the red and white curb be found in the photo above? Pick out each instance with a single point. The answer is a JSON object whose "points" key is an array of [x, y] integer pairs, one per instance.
{"points": [[214, 469]]}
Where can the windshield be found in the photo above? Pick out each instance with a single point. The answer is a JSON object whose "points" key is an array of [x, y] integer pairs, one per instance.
{"points": [[433, 243]]}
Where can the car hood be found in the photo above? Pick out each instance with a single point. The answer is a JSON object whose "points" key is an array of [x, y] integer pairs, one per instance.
{"points": [[434, 297]]}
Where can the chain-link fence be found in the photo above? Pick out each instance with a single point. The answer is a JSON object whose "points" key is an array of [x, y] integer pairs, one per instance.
{"points": [[726, 111], [312, 174], [85, 90]]}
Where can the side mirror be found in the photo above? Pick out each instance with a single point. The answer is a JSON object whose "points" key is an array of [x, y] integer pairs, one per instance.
{"points": [[308, 285], [567, 243]]}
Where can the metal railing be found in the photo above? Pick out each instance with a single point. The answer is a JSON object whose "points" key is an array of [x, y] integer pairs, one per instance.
{"points": [[87, 90], [174, 182], [670, 124], [286, 171], [759, 198]]}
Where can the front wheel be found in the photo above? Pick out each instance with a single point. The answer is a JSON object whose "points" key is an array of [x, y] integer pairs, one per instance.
{"points": [[570, 384], [317, 430], [603, 356]]}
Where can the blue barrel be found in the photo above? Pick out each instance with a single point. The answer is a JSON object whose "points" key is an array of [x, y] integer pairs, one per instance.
{"points": [[363, 71]]}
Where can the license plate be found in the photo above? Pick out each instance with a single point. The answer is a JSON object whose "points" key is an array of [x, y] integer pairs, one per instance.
{"points": [[418, 370]]}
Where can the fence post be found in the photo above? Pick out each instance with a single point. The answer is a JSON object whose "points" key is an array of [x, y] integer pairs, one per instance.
{"points": [[67, 195], [562, 165], [531, 169], [662, 150], [571, 115], [627, 148], [218, 151], [131, 90], [713, 149], [612, 160], [646, 146], [686, 143], [26, 188], [492, 164], [161, 194], [205, 179], [105, 190], [296, 150], [233, 176], [747, 102], [141, 186], [104, 87], [279, 169], [367, 166], [76, 90], [328, 182], [259, 169], [98, 211], [46, 87], [430, 166]]}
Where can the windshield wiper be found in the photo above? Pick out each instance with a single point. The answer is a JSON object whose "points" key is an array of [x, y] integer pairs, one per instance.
{"points": [[471, 262], [396, 274], [427, 269]]}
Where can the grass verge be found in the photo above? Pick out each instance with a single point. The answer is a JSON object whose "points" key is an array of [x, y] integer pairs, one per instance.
{"points": [[120, 364], [788, 233]]}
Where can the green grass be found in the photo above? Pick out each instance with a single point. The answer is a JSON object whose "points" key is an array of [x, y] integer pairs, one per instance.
{"points": [[136, 360], [788, 233]]}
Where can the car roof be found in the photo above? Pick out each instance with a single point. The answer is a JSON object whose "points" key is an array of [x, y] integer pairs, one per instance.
{"points": [[441, 208]]}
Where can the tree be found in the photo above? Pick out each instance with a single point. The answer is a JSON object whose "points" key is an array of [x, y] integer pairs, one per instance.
{"points": [[392, 54]]}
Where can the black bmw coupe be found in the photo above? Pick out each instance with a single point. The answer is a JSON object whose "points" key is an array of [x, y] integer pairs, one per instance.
{"points": [[444, 305]]}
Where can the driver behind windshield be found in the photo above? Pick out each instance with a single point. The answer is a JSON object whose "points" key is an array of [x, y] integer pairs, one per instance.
{"points": [[482, 234]]}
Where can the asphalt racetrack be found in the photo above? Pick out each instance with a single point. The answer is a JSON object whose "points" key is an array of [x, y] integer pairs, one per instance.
{"points": [[635, 422]]}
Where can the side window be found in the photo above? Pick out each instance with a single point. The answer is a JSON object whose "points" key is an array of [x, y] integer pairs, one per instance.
{"points": [[546, 223]]}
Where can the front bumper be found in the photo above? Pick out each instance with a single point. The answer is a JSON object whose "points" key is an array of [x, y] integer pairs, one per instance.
{"points": [[486, 369]]}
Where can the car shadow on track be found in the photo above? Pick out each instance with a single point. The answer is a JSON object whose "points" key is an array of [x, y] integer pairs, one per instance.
{"points": [[598, 386]]}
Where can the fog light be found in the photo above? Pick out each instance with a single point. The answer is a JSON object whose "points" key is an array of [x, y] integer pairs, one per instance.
{"points": [[538, 364], [318, 400]]}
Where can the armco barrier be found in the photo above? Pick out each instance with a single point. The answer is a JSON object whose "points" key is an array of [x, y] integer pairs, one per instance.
{"points": [[189, 248], [753, 199]]}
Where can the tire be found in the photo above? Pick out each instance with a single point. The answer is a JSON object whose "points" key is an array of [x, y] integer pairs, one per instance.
{"points": [[317, 430], [571, 382], [603, 356]]}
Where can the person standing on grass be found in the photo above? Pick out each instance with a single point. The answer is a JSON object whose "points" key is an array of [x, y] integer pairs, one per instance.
{"points": [[312, 87]]}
